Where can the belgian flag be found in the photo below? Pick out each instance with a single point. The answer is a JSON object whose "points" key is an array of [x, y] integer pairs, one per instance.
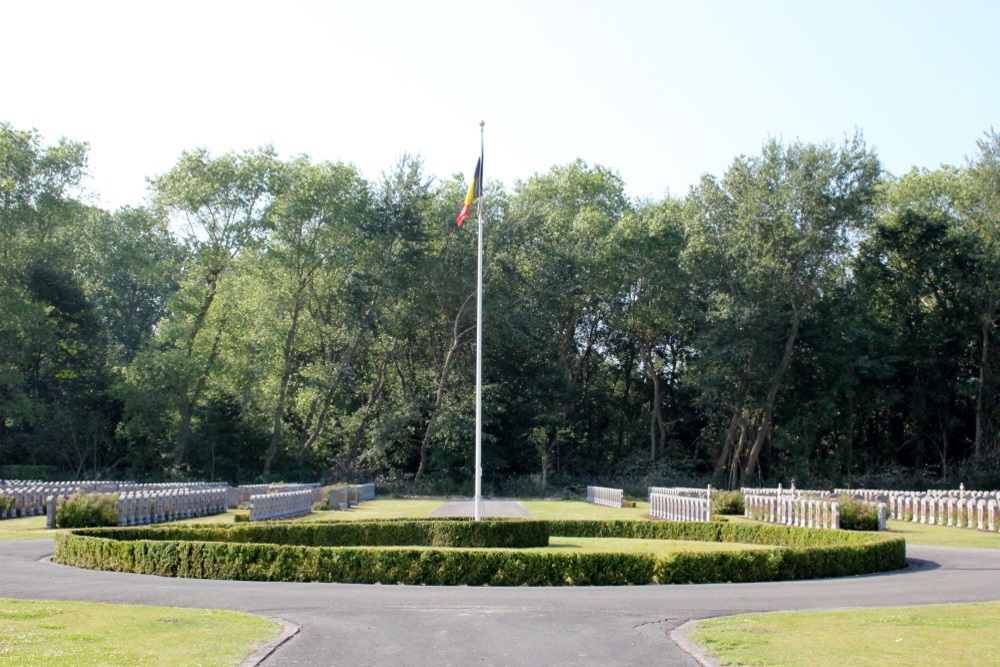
{"points": [[475, 191]]}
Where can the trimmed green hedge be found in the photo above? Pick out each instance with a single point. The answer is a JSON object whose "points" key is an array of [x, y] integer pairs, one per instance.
{"points": [[407, 532], [318, 552]]}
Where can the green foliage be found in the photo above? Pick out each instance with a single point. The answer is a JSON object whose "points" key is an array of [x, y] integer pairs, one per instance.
{"points": [[799, 315], [86, 510], [856, 515], [318, 552], [727, 502]]}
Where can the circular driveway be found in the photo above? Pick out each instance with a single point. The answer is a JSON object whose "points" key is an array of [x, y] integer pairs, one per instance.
{"points": [[402, 625]]}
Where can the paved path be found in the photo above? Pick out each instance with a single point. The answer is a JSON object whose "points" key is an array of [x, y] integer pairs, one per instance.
{"points": [[501, 508], [402, 625]]}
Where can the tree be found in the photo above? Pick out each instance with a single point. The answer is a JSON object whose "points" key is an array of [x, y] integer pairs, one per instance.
{"points": [[223, 205], [766, 242], [52, 348], [982, 224], [648, 316], [316, 227], [569, 214]]}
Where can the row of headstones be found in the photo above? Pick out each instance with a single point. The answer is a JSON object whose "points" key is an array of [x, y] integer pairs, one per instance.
{"points": [[245, 491], [16, 484], [800, 512], [883, 495], [780, 491], [677, 507], [346, 497], [680, 491], [975, 513], [21, 498], [601, 495], [137, 508], [281, 504], [21, 501]]}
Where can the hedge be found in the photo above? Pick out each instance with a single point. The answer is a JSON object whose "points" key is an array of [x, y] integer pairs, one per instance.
{"points": [[517, 534], [318, 552]]}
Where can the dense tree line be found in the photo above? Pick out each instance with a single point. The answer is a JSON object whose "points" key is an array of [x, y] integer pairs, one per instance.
{"points": [[804, 315]]}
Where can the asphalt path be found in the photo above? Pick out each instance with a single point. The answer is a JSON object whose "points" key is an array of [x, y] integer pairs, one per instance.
{"points": [[404, 625]]}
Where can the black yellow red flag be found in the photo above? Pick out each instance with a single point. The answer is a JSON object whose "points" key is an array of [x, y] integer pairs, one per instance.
{"points": [[475, 191]]}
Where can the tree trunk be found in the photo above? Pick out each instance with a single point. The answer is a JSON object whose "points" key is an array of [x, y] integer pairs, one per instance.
{"points": [[656, 413], [984, 359], [425, 442], [764, 430], [623, 404], [286, 375], [373, 397], [190, 400], [734, 469], [449, 360], [734, 422]]}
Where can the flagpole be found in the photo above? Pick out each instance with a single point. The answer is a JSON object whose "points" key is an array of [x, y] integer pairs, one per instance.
{"points": [[479, 343]]}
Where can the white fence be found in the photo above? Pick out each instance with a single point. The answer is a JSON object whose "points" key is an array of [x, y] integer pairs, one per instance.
{"points": [[782, 492], [680, 504], [600, 495], [788, 511], [975, 512], [281, 505]]}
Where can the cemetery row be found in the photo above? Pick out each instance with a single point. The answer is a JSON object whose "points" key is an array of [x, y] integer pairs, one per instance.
{"points": [[141, 504], [959, 508], [820, 509], [672, 503]]}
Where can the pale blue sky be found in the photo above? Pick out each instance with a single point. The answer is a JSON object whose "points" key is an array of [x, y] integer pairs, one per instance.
{"points": [[661, 92]]}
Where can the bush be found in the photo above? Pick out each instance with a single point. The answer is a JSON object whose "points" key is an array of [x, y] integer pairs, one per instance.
{"points": [[290, 552], [728, 502], [87, 510], [855, 515]]}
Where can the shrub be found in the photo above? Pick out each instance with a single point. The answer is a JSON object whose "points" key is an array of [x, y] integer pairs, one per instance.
{"points": [[87, 510], [274, 552], [855, 515], [728, 502]]}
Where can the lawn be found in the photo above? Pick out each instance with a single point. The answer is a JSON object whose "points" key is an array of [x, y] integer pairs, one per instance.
{"points": [[943, 536], [42, 632], [964, 634], [904, 636]]}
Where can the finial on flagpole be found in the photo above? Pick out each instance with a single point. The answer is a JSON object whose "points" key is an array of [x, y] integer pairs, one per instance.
{"points": [[482, 123]]}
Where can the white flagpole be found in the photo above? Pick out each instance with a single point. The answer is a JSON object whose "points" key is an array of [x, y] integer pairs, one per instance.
{"points": [[479, 340]]}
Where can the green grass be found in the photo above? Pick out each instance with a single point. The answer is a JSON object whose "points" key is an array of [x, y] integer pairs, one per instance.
{"points": [[27, 528], [943, 536], [388, 508], [397, 508], [33, 527], [963, 634], [41, 632]]}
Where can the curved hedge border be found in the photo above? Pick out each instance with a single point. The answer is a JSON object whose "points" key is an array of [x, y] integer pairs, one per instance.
{"points": [[317, 552]]}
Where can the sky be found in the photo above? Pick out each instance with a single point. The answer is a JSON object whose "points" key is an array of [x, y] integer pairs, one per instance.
{"points": [[661, 92]]}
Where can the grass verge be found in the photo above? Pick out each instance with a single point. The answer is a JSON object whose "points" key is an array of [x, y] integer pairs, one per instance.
{"points": [[42, 632], [964, 634], [943, 536]]}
